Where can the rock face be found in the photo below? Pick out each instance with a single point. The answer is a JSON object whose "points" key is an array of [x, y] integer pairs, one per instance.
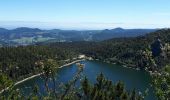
{"points": [[159, 53], [157, 48]]}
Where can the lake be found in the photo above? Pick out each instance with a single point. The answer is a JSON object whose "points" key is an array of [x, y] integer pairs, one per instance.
{"points": [[140, 80]]}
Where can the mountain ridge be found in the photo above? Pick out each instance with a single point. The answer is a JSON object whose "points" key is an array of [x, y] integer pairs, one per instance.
{"points": [[28, 36]]}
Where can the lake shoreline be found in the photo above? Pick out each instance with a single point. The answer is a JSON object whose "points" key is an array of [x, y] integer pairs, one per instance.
{"points": [[126, 66], [68, 64], [122, 64], [36, 75]]}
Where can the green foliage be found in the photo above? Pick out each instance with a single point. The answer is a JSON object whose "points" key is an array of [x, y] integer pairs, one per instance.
{"points": [[5, 81], [86, 86], [49, 69], [19, 62], [161, 82], [103, 89]]}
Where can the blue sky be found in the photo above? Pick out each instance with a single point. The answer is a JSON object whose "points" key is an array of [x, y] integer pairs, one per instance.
{"points": [[85, 14]]}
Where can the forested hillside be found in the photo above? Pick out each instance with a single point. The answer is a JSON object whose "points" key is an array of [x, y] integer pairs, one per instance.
{"points": [[128, 51], [19, 62]]}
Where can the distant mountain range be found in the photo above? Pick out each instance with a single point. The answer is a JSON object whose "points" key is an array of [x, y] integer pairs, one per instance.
{"points": [[119, 32], [27, 36]]}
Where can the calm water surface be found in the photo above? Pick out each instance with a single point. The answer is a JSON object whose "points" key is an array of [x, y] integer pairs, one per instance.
{"points": [[140, 80]]}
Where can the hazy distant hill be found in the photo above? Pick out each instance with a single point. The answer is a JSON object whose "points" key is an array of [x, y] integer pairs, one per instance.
{"points": [[26, 36], [119, 32]]}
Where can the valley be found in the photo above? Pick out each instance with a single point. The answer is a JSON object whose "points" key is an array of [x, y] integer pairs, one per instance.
{"points": [[28, 36]]}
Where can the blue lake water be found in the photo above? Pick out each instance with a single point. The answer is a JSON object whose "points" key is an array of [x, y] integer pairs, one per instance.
{"points": [[140, 80]]}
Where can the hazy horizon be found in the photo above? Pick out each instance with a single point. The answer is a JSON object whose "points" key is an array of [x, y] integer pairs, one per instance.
{"points": [[43, 25], [85, 14]]}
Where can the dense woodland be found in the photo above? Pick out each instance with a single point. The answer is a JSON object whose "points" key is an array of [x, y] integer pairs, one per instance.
{"points": [[151, 52], [18, 62]]}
